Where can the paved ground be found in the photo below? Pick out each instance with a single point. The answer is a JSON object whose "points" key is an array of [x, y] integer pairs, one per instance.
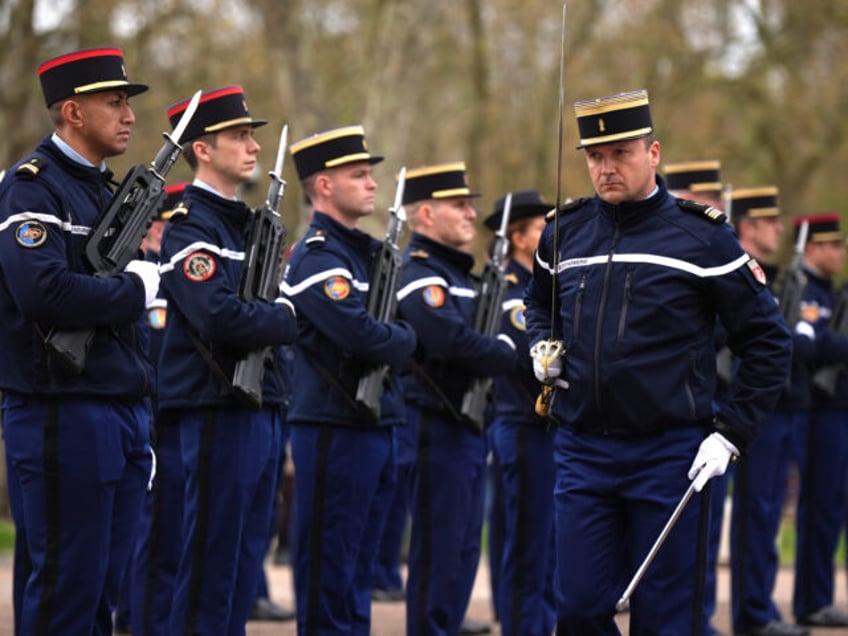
{"points": [[388, 617]]}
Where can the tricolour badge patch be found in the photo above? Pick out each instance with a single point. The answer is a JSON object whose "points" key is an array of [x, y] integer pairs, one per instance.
{"points": [[433, 296], [199, 266], [337, 288], [757, 271], [810, 312], [516, 317], [156, 317], [31, 234]]}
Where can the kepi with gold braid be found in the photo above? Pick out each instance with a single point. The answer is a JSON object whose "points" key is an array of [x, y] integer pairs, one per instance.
{"points": [[85, 71], [439, 181], [330, 149], [754, 203], [823, 228], [173, 197], [694, 176], [219, 109], [619, 117]]}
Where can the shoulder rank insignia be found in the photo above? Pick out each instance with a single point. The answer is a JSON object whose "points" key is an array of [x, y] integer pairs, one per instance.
{"points": [[31, 167], [511, 278], [419, 254], [181, 209], [316, 239], [716, 216], [568, 206]]}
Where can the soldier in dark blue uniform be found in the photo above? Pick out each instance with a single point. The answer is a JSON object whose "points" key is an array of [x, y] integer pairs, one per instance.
{"points": [[639, 278], [701, 181], [149, 583], [229, 450], [760, 477], [447, 457], [523, 444], [822, 438], [344, 457], [77, 443]]}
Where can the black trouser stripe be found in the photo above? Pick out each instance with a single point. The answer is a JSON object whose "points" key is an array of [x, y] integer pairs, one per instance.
{"points": [[425, 517], [741, 483], [154, 555], [316, 540], [702, 546], [522, 546], [50, 457], [808, 487], [201, 529]]}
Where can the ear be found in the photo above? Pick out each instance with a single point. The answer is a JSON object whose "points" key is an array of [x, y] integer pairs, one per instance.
{"points": [[323, 185], [72, 113], [202, 150], [425, 214]]}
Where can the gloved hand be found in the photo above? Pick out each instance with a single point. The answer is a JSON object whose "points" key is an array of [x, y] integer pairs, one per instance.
{"points": [[711, 460], [547, 362], [803, 328], [148, 272]]}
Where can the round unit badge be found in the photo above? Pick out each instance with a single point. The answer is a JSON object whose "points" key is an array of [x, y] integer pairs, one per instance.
{"points": [[199, 266], [31, 234], [156, 317], [337, 288], [516, 317], [433, 296]]}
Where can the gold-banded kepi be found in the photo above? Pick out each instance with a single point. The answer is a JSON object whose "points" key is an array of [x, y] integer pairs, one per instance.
{"points": [[330, 149], [438, 181], [754, 203], [694, 176], [619, 117]]}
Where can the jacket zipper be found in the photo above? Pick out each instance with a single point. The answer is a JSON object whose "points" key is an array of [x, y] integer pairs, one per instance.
{"points": [[599, 323], [578, 305], [622, 319]]}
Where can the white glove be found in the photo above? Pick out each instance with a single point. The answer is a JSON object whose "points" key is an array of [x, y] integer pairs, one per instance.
{"points": [[714, 454], [149, 274], [803, 328], [547, 362]]}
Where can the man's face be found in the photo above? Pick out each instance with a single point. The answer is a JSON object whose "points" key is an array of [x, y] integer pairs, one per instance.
{"points": [[623, 171], [233, 155], [452, 222], [827, 257], [761, 238], [106, 121], [352, 189]]}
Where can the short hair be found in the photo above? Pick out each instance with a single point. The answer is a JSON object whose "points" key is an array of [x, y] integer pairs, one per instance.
{"points": [[188, 148]]}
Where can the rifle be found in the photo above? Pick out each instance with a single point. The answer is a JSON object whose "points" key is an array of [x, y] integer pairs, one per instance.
{"points": [[487, 319], [261, 274], [792, 287], [117, 233], [382, 296], [824, 379]]}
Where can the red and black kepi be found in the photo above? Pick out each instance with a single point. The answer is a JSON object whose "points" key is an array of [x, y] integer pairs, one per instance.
{"points": [[85, 71], [219, 109]]}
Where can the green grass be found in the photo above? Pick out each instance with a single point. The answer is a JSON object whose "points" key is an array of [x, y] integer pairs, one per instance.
{"points": [[7, 536], [786, 544]]}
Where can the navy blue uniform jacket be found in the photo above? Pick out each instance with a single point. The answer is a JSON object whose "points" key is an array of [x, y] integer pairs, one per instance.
{"points": [[45, 215], [639, 286], [209, 328]]}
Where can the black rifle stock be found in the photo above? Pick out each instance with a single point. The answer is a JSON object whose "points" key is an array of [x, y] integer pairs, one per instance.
{"points": [[487, 320], [792, 286], [117, 234], [382, 297], [824, 379], [261, 275]]}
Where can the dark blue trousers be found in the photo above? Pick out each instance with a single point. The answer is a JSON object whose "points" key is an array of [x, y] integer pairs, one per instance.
{"points": [[152, 573], [387, 571], [613, 496], [525, 597], [758, 496], [230, 457], [822, 446], [718, 495], [446, 498], [344, 478], [78, 471]]}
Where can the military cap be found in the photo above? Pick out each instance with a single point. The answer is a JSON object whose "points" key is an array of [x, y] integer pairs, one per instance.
{"points": [[822, 228], [85, 71], [440, 181], [525, 204], [218, 109], [330, 149], [619, 117], [753, 203], [694, 176], [173, 196]]}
